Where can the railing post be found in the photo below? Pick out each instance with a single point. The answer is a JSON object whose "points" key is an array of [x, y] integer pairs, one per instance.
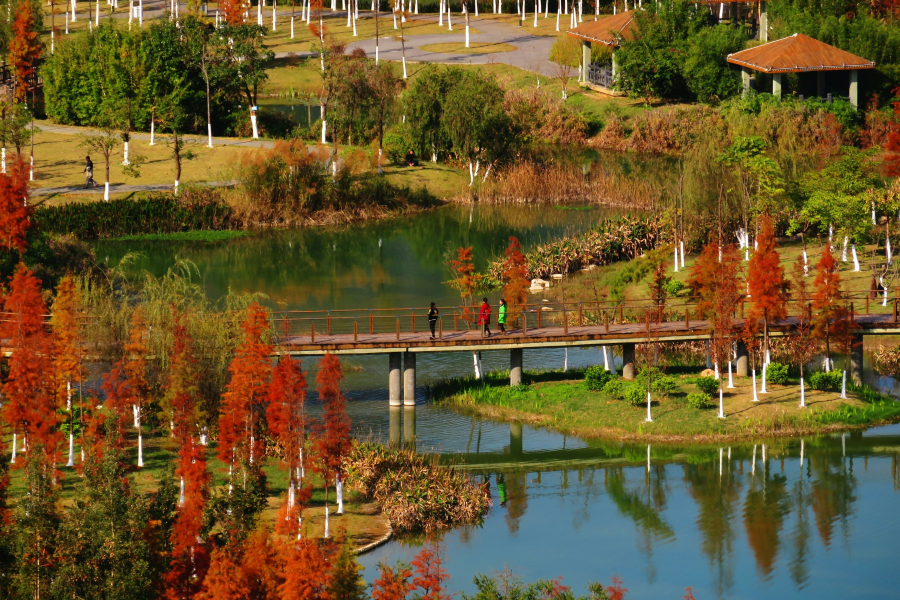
{"points": [[455, 321], [565, 320], [398, 329], [606, 320], [441, 329], [867, 304], [312, 332], [413, 318], [328, 323], [524, 324], [371, 322], [540, 315], [687, 317], [580, 316], [355, 330], [621, 314], [895, 310]]}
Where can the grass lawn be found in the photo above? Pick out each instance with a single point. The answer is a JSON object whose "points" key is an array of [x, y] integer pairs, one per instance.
{"points": [[474, 48], [363, 520], [568, 406]]}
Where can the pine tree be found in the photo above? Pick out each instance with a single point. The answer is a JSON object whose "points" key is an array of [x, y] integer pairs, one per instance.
{"points": [[346, 582], [333, 440], [393, 583], [515, 274], [765, 275], [36, 529], [15, 214], [103, 550], [287, 424], [24, 49]]}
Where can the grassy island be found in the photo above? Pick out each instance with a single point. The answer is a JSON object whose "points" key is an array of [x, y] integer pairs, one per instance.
{"points": [[563, 401]]}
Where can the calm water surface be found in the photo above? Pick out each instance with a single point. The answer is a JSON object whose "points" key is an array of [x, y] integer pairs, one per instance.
{"points": [[711, 518]]}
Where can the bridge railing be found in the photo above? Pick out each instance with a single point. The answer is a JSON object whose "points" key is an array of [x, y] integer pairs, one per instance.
{"points": [[533, 316]]}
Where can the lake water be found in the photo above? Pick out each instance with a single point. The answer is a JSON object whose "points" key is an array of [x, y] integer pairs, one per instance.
{"points": [[711, 518]]}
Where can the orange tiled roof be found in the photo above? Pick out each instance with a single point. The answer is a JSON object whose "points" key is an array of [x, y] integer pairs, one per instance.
{"points": [[796, 54], [606, 30]]}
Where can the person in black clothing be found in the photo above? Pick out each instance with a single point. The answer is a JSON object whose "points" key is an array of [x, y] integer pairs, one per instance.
{"points": [[432, 318], [89, 173], [410, 159]]}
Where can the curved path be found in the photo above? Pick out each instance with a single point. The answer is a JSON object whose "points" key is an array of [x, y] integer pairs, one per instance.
{"points": [[531, 54]]}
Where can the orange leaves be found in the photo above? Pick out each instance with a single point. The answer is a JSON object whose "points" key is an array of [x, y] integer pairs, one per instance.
{"points": [[515, 273], [831, 319], [286, 397], [25, 48], [66, 340], [463, 272], [306, 571], [768, 287], [234, 11], [136, 350], [430, 576], [716, 282], [392, 583], [333, 441], [251, 371], [15, 215]]}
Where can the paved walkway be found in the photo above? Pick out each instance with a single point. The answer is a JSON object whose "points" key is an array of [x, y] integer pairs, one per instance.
{"points": [[531, 54], [119, 189]]}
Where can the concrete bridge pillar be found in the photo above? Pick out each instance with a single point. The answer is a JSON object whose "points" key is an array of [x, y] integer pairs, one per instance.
{"points": [[856, 360], [394, 379], [395, 426], [628, 361], [409, 427], [515, 366], [409, 379], [743, 360]]}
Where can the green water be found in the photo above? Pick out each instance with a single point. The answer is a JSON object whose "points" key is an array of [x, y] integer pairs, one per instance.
{"points": [[390, 263]]}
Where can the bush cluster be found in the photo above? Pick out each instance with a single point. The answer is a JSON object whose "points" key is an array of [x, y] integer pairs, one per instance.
{"points": [[596, 377], [826, 382], [699, 401], [777, 373], [708, 385]]}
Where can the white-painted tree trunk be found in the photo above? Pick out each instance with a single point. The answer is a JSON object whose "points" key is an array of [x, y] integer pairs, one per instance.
{"points": [[106, 191], [141, 13], [649, 418], [209, 134], [3, 160], [31, 168], [327, 533], [802, 394], [676, 259], [467, 37], [253, 123], [98, 15], [844, 385], [181, 497], [71, 462], [557, 18], [176, 187], [730, 378], [274, 15], [14, 448], [74, 8], [125, 160], [753, 375], [152, 132], [339, 488], [292, 27], [449, 24], [140, 463], [873, 214], [763, 389], [323, 131], [844, 250], [721, 406], [716, 370], [440, 13], [605, 358], [682, 253], [565, 360], [477, 366], [404, 67], [855, 258], [805, 264]]}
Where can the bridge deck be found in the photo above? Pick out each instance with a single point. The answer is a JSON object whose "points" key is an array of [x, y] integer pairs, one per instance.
{"points": [[544, 337]]}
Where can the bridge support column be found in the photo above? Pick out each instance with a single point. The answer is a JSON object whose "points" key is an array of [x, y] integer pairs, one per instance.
{"points": [[627, 361], [409, 427], [394, 379], [409, 379], [743, 360], [515, 439], [395, 412], [515, 366], [856, 360]]}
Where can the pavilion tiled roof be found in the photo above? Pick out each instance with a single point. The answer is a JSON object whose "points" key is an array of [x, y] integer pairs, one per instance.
{"points": [[606, 30], [797, 54]]}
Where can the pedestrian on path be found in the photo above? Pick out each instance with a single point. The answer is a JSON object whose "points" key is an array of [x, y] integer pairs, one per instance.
{"points": [[89, 173], [501, 316], [484, 318], [432, 318]]}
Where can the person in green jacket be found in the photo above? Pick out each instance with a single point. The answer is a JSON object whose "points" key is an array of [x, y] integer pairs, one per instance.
{"points": [[501, 316]]}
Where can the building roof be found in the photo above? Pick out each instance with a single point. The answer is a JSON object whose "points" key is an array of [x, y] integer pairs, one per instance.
{"points": [[797, 54], [606, 30]]}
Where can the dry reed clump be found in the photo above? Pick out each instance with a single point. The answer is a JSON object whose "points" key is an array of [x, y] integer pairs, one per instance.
{"points": [[414, 492], [530, 182], [544, 116], [620, 238]]}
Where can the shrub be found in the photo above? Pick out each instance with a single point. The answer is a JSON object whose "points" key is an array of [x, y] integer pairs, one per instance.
{"points": [[777, 373], [634, 393], [708, 385], [596, 378], [826, 382], [397, 143], [699, 401], [659, 383], [613, 388], [673, 288]]}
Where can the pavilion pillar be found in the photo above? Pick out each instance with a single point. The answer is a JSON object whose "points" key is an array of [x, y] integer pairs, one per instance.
{"points": [[628, 361], [763, 22], [854, 88], [745, 79], [820, 84], [585, 60], [776, 85], [743, 360], [615, 63], [409, 379], [394, 398], [515, 367], [856, 359]]}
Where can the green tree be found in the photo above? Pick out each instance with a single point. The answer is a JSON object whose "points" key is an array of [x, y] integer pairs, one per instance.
{"points": [[103, 551], [424, 103], [706, 70], [36, 528]]}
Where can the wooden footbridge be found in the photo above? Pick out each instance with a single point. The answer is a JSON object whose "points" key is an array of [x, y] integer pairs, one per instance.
{"points": [[402, 333]]}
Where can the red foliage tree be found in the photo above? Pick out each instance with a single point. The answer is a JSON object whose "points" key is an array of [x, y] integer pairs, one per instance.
{"points": [[768, 287], [515, 273], [307, 575], [616, 591], [429, 575], [333, 441], [15, 214], [224, 580], [234, 11], [118, 402], [463, 270], [830, 321], [287, 421], [67, 368], [393, 583], [251, 372], [24, 48], [135, 366], [30, 407], [892, 156], [189, 557]]}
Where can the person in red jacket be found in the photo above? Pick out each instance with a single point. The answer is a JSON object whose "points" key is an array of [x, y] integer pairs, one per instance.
{"points": [[484, 318]]}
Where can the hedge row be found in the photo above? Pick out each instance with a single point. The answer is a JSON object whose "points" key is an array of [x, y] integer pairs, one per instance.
{"points": [[154, 214]]}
